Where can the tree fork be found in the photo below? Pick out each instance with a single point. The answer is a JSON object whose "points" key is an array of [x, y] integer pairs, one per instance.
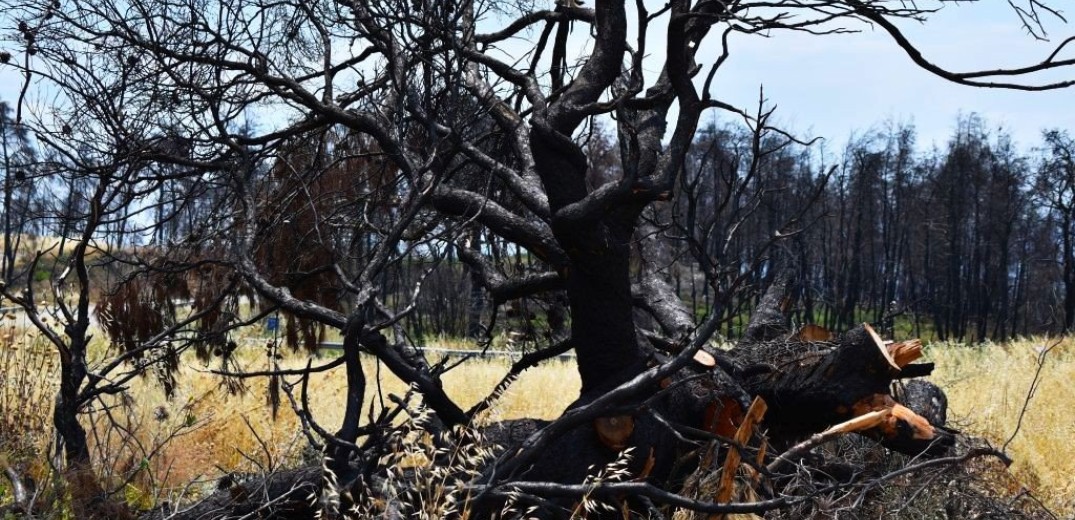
{"points": [[597, 278]]}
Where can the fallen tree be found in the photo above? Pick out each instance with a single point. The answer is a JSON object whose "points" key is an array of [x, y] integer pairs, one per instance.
{"points": [[801, 388], [812, 379]]}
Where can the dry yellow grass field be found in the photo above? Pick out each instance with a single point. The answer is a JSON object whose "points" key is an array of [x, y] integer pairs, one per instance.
{"points": [[221, 436], [987, 388]]}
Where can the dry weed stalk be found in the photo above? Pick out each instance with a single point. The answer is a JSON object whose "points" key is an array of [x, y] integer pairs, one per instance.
{"points": [[27, 370], [425, 475], [616, 471], [28, 375]]}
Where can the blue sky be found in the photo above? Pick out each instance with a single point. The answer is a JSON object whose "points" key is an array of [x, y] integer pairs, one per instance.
{"points": [[830, 86], [834, 85]]}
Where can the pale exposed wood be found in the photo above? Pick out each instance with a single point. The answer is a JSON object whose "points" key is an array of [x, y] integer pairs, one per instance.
{"points": [[856, 424], [751, 472], [863, 422], [731, 462], [905, 352], [880, 345], [755, 476], [923, 430], [893, 415], [873, 403], [705, 358]]}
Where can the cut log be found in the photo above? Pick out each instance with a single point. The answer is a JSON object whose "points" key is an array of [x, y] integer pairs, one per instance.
{"points": [[865, 336], [813, 379], [813, 385]]}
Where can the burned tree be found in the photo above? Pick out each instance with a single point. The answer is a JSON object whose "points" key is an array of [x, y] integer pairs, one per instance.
{"points": [[1056, 178], [394, 128]]}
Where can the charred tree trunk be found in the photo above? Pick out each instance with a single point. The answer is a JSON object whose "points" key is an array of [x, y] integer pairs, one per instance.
{"points": [[1068, 266], [597, 278], [89, 500], [70, 433], [476, 302], [356, 387], [599, 296]]}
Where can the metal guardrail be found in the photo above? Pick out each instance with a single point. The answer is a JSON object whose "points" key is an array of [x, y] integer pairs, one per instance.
{"points": [[335, 345]]}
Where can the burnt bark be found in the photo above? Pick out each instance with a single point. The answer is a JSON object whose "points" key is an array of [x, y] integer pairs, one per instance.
{"points": [[811, 385], [65, 415], [770, 317], [597, 278], [356, 388], [89, 499], [661, 426], [924, 398]]}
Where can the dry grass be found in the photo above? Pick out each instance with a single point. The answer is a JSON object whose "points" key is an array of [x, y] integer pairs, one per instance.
{"points": [[221, 438], [987, 387], [29, 244], [28, 375]]}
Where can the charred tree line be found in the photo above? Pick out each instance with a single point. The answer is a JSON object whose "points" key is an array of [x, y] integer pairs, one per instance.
{"points": [[969, 241], [20, 199]]}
